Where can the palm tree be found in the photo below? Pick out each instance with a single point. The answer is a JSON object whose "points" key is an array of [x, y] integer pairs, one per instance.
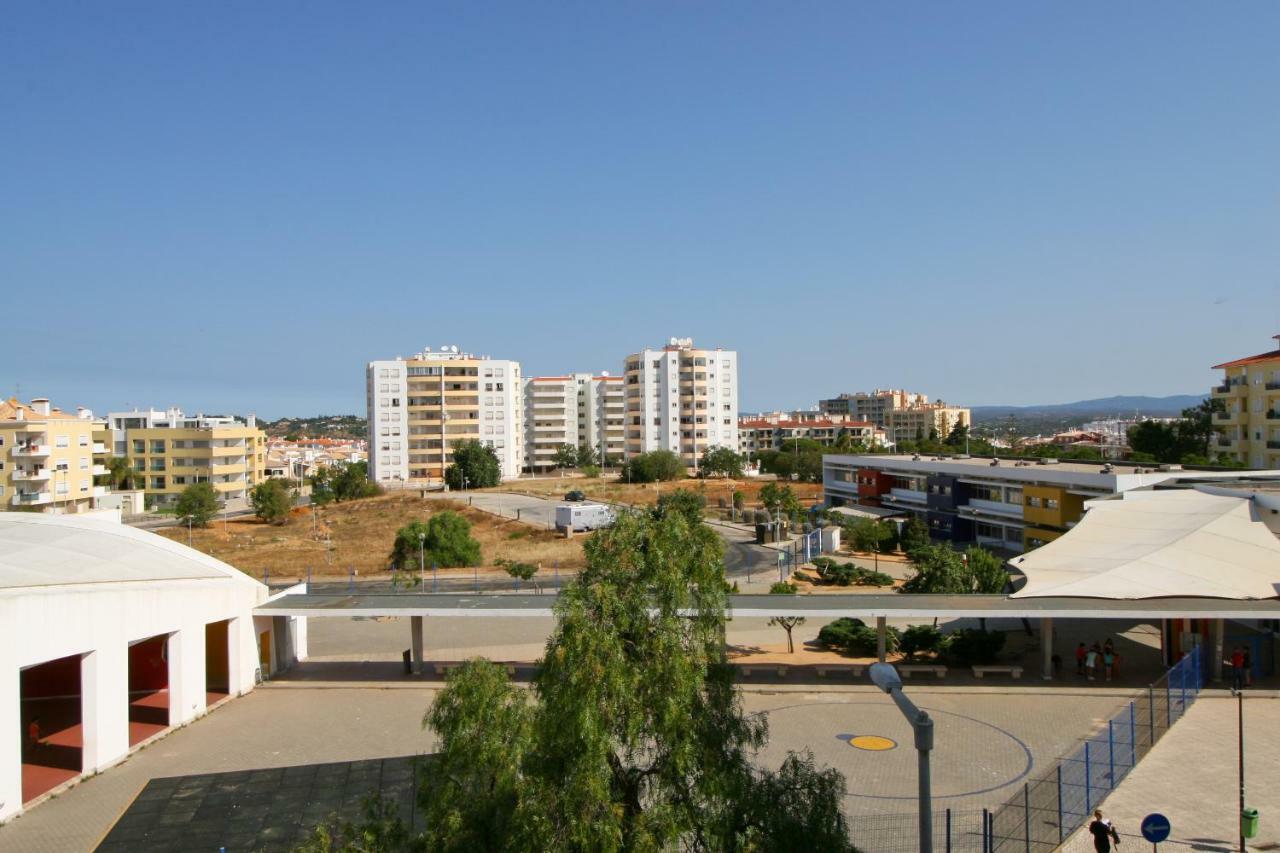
{"points": [[121, 474]]}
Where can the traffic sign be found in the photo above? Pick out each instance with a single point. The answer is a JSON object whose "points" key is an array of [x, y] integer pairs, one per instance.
{"points": [[1155, 827]]}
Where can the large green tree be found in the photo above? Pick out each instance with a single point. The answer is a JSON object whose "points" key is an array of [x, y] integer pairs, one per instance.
{"points": [[941, 570], [566, 456], [634, 737], [197, 505], [720, 461], [271, 500], [779, 499], [915, 534], [344, 482], [475, 466], [442, 540], [652, 467]]}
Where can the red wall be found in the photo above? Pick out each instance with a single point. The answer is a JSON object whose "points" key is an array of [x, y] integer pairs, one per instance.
{"points": [[879, 484], [59, 677], [149, 665]]}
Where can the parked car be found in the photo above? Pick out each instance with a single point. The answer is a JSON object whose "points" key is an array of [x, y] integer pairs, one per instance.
{"points": [[575, 496]]}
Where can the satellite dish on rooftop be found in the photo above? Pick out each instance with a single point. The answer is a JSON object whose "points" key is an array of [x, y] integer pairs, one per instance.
{"points": [[453, 348]]}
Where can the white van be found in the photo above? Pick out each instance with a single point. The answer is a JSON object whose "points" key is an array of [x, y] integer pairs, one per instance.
{"points": [[578, 517]]}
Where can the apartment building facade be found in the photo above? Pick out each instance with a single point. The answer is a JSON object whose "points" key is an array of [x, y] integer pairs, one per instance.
{"points": [[1249, 428], [580, 410], [756, 434], [419, 408], [1010, 506], [48, 458], [681, 398], [172, 450], [903, 415]]}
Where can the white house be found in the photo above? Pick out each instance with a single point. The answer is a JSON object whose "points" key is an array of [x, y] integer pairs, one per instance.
{"points": [[111, 635]]}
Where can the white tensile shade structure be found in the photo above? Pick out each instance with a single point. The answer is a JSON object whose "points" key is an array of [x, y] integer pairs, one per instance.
{"points": [[1159, 544]]}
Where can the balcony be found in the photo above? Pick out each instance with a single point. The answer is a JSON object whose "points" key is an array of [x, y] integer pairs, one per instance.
{"points": [[99, 447], [1272, 386], [31, 498], [28, 474], [908, 496], [977, 505], [1273, 415], [1273, 445], [31, 449]]}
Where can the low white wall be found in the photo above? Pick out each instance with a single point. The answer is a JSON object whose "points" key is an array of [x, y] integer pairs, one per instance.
{"points": [[98, 623]]}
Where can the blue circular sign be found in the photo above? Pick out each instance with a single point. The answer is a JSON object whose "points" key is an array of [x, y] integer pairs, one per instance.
{"points": [[1155, 828]]}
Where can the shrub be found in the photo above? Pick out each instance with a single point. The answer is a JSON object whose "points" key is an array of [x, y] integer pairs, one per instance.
{"points": [[782, 588], [834, 635], [652, 467], [854, 637], [920, 638], [590, 470], [475, 466], [271, 501], [739, 500], [446, 541], [868, 577], [197, 504], [971, 645], [681, 502]]}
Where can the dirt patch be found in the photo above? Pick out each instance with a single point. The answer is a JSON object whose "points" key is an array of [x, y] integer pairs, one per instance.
{"points": [[359, 535]]}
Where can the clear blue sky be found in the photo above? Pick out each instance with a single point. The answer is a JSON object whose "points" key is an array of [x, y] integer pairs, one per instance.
{"points": [[233, 206]]}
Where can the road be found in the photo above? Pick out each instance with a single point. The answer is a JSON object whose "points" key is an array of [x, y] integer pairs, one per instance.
{"points": [[744, 561]]}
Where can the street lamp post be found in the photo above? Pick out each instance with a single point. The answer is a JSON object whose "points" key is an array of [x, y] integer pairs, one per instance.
{"points": [[422, 566], [888, 680], [1240, 751]]}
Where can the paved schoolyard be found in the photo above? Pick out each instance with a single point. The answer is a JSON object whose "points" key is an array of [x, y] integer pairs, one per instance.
{"points": [[1192, 778]]}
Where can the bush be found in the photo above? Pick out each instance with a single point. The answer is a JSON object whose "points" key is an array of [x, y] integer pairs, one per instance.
{"points": [[920, 638], [590, 470], [739, 500], [271, 500], [846, 574], [681, 502], [446, 541], [652, 467], [197, 504], [854, 637], [971, 645], [782, 588], [475, 466]]}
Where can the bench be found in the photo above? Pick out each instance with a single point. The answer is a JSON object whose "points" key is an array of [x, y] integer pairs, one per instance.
{"points": [[922, 669], [1015, 671], [855, 669], [780, 669]]}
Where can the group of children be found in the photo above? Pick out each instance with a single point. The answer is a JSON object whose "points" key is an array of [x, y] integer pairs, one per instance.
{"points": [[1096, 660]]}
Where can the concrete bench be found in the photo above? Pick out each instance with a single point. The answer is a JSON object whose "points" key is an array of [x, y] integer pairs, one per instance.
{"points": [[854, 669], [1015, 671], [908, 669], [780, 669]]}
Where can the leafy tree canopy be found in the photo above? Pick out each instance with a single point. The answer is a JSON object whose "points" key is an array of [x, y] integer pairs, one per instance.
{"points": [[346, 482], [652, 467], [720, 461], [198, 504], [272, 500], [442, 540], [475, 466]]}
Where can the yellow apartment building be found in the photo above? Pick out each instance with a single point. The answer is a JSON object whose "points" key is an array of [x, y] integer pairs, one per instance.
{"points": [[49, 458], [172, 451], [1249, 428]]}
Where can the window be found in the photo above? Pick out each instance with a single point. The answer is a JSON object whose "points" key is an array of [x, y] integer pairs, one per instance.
{"points": [[84, 485], [497, 386], [1051, 503], [62, 441], [84, 463], [84, 441], [1033, 501]]}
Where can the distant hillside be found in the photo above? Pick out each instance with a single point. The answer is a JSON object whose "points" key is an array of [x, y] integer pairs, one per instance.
{"points": [[1055, 417], [1102, 407], [321, 426]]}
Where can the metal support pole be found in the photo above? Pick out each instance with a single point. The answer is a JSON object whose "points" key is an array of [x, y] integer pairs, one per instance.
{"points": [[435, 578], [1111, 751], [1217, 648], [1046, 640], [1151, 711], [1088, 789], [1026, 816], [948, 830], [1240, 750], [1182, 683], [985, 846], [924, 743], [882, 639], [1133, 736], [415, 643], [1060, 827]]}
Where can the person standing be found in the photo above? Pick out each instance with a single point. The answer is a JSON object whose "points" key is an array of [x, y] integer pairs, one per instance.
{"points": [[1108, 659], [1103, 832], [1081, 654], [1247, 664], [1091, 662]]}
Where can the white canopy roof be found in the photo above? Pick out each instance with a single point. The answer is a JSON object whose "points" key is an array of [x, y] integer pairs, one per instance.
{"points": [[1159, 544], [41, 550]]}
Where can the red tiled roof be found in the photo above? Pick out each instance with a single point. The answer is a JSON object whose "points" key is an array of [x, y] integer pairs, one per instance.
{"points": [[1253, 359]]}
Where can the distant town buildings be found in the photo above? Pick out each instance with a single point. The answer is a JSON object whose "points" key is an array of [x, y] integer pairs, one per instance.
{"points": [[1249, 428], [420, 407], [681, 398], [172, 450], [297, 460], [48, 457], [579, 410], [903, 415]]}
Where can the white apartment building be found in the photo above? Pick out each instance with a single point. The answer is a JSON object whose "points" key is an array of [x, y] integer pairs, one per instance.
{"points": [[903, 415], [682, 399], [579, 409], [420, 407]]}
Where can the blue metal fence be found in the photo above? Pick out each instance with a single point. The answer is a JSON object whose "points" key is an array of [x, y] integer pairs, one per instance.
{"points": [[1049, 808]]}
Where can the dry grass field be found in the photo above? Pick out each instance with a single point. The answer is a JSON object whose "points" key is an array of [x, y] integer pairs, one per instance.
{"points": [[359, 534], [610, 489]]}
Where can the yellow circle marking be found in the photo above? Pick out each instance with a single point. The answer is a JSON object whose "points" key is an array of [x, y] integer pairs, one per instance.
{"points": [[872, 743]]}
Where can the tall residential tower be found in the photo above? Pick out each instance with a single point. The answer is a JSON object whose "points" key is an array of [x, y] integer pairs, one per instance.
{"points": [[422, 406], [682, 399]]}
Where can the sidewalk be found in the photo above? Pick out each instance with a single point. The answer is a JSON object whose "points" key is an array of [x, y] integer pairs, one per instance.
{"points": [[1191, 777]]}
